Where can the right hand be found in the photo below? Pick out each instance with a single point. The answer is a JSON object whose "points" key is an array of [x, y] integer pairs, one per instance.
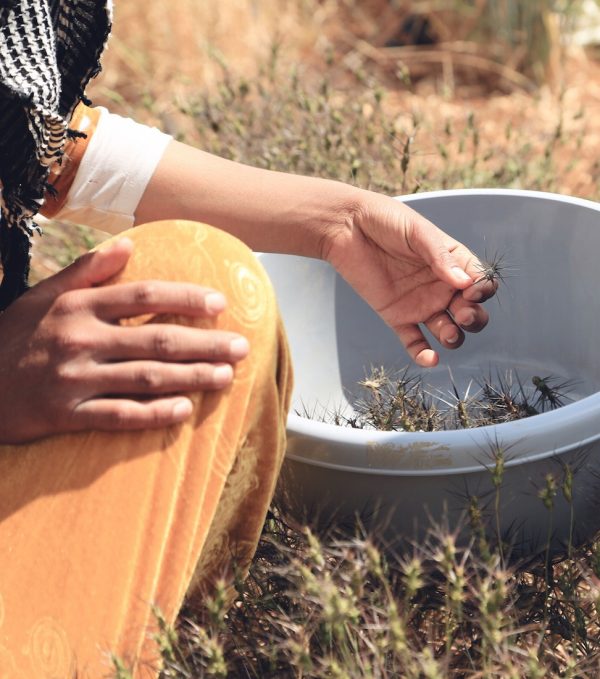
{"points": [[66, 363]]}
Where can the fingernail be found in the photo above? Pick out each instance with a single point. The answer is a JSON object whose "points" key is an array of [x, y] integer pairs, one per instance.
{"points": [[121, 242], [223, 374], [453, 339], [182, 409], [459, 273], [239, 347], [214, 302], [468, 321]]}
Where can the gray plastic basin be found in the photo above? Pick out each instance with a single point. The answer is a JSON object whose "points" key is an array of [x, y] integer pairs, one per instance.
{"points": [[547, 321]]}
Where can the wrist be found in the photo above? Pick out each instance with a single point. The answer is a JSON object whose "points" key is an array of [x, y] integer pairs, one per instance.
{"points": [[347, 205]]}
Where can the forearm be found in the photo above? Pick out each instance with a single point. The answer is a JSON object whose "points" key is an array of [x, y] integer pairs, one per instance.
{"points": [[124, 173], [408, 270], [269, 211]]}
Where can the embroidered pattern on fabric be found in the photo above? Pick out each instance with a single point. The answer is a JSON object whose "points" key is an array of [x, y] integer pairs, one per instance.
{"points": [[249, 293], [8, 668], [49, 650]]}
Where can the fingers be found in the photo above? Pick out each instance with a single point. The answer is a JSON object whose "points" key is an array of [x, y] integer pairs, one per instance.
{"points": [[144, 380], [483, 287], [417, 346], [126, 300], [451, 261], [165, 342], [447, 327], [94, 267], [437, 249], [469, 316], [151, 378], [124, 414], [445, 330]]}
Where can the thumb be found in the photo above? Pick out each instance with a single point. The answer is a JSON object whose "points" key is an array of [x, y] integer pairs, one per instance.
{"points": [[440, 252], [95, 267]]}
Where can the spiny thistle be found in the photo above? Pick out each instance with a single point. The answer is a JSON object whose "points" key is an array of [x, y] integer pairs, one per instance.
{"points": [[402, 401], [551, 392], [493, 268]]}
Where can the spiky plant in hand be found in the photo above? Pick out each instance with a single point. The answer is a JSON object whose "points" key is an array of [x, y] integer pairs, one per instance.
{"points": [[493, 269]]}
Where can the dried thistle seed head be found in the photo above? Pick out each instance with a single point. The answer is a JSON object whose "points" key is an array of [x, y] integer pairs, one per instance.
{"points": [[377, 379], [527, 405], [548, 492], [402, 401], [493, 268], [460, 408], [371, 384], [567, 484], [504, 399], [428, 416], [550, 392]]}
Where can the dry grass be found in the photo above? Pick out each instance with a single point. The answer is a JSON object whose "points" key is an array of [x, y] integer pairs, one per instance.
{"points": [[343, 608], [159, 50], [339, 607]]}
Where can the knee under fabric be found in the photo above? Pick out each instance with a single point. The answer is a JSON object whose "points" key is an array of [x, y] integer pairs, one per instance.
{"points": [[98, 527]]}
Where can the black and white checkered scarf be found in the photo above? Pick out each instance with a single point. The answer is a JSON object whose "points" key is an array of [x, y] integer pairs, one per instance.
{"points": [[49, 50]]}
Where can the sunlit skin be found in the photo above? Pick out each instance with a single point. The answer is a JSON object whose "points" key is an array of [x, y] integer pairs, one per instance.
{"points": [[68, 365], [404, 266], [412, 274]]}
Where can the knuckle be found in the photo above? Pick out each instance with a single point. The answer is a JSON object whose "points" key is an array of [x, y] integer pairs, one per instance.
{"points": [[214, 347], [65, 373], [84, 259], [72, 380], [70, 341], [202, 376], [68, 303], [442, 257], [81, 262], [165, 342], [193, 298], [124, 415], [156, 416], [148, 378], [72, 419], [145, 415], [145, 292], [121, 417]]}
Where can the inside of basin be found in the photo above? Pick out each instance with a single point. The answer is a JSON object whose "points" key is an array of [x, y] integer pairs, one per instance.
{"points": [[544, 321]]}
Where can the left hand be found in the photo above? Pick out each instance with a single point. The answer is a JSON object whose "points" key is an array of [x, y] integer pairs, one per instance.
{"points": [[411, 273]]}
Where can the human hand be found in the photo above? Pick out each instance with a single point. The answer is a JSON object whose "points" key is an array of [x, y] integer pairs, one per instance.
{"points": [[66, 363], [411, 273]]}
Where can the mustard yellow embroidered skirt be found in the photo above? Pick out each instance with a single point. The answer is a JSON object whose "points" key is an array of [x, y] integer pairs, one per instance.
{"points": [[96, 528]]}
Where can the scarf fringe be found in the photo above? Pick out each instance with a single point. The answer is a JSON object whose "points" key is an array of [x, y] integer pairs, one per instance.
{"points": [[49, 50]]}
